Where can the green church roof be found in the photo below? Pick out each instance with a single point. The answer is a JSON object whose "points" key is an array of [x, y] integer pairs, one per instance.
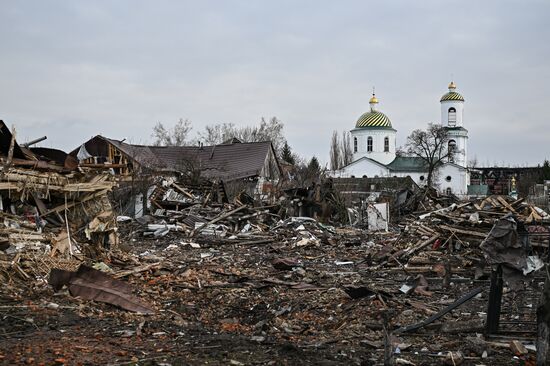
{"points": [[407, 164]]}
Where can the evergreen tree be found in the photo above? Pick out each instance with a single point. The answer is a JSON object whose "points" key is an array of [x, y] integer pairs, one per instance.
{"points": [[313, 167], [286, 154], [545, 171]]}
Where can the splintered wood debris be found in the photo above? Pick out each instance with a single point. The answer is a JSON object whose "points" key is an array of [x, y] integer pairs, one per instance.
{"points": [[243, 283]]}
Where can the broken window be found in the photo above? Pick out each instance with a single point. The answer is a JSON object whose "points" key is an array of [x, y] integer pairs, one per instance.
{"points": [[369, 144], [120, 161]]}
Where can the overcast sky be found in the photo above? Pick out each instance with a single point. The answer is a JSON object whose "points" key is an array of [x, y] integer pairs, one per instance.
{"points": [[74, 69]]}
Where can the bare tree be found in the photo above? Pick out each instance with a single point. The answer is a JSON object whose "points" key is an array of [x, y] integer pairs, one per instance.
{"points": [[346, 153], [340, 150], [473, 163], [431, 146], [175, 137], [335, 150], [267, 130], [216, 134]]}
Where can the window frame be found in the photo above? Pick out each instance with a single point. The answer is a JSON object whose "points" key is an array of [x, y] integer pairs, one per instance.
{"points": [[451, 145], [451, 112], [369, 144]]}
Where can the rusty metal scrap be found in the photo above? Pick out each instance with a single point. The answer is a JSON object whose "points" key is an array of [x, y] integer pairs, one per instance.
{"points": [[91, 284]]}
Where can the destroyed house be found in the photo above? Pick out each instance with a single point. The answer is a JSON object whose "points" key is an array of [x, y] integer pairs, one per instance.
{"points": [[395, 191], [499, 179], [24, 156], [360, 188], [251, 166], [47, 203]]}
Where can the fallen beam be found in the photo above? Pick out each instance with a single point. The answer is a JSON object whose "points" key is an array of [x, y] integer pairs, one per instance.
{"points": [[216, 219], [470, 295]]}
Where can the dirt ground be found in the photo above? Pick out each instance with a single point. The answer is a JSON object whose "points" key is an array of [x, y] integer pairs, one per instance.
{"points": [[227, 304]]}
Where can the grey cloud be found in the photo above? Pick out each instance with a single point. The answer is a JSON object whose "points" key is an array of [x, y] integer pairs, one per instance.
{"points": [[74, 69]]}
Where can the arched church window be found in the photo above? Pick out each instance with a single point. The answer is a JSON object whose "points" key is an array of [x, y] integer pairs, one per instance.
{"points": [[452, 150], [369, 143], [355, 144], [452, 117], [386, 144], [449, 191]]}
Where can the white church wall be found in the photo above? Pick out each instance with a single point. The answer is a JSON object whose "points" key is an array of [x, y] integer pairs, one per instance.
{"points": [[461, 140], [458, 106], [458, 182], [378, 136], [459, 176], [360, 168]]}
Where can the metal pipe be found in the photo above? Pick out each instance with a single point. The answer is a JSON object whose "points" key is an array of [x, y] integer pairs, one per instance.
{"points": [[35, 141]]}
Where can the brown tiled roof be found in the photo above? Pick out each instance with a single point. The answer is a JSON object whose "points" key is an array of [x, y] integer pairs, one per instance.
{"points": [[227, 161], [140, 153]]}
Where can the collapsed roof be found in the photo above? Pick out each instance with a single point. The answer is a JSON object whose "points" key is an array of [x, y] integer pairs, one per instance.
{"points": [[228, 161]]}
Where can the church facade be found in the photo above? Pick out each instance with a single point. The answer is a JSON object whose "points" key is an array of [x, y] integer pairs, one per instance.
{"points": [[374, 148]]}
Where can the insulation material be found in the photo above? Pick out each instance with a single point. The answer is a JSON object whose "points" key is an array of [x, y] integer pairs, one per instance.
{"points": [[378, 216]]}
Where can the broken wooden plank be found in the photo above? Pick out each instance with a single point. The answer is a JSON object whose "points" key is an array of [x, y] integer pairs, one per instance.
{"points": [[183, 190], [462, 231], [420, 246], [220, 217], [139, 269], [506, 204], [75, 203], [470, 295]]}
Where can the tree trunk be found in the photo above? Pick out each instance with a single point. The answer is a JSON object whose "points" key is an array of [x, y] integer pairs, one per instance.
{"points": [[144, 200], [429, 183]]}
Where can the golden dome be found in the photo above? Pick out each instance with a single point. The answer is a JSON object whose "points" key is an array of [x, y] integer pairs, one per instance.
{"points": [[452, 85], [373, 100]]}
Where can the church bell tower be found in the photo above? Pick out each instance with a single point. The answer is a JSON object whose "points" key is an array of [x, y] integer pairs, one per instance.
{"points": [[452, 110]]}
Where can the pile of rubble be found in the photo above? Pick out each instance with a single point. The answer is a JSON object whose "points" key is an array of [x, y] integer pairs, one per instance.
{"points": [[49, 218], [53, 213], [208, 278]]}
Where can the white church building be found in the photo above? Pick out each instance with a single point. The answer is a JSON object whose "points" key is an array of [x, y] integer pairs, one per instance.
{"points": [[374, 148]]}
